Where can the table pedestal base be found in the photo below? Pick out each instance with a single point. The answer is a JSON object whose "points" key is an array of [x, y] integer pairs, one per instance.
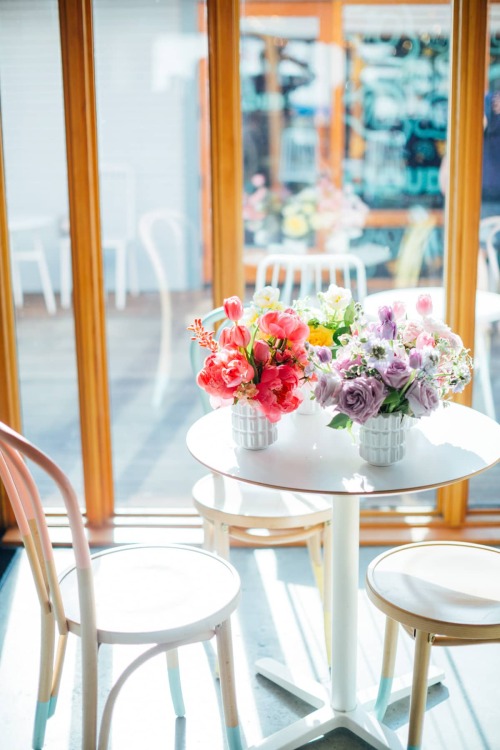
{"points": [[325, 718]]}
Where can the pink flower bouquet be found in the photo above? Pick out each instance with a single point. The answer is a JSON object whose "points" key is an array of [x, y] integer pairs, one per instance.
{"points": [[397, 365], [259, 358]]}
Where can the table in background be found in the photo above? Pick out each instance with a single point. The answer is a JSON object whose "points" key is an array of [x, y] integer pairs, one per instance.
{"points": [[453, 444]]}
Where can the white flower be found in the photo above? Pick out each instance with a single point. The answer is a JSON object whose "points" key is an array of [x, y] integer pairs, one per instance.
{"points": [[434, 325], [266, 297], [336, 297]]}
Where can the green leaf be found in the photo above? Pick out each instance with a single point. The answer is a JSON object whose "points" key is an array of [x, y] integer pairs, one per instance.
{"points": [[340, 422]]}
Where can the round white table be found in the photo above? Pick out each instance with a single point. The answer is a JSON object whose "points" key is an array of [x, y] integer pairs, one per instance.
{"points": [[455, 443]]}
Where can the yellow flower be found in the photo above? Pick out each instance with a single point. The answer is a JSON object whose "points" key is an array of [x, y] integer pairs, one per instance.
{"points": [[320, 336], [295, 225]]}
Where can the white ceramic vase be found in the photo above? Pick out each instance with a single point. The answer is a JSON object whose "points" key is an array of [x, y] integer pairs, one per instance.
{"points": [[309, 405], [382, 439], [251, 429]]}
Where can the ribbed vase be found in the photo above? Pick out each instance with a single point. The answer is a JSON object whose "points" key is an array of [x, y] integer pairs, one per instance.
{"points": [[251, 429], [309, 405], [382, 439]]}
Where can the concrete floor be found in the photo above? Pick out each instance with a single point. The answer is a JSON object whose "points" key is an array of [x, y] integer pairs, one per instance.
{"points": [[279, 616]]}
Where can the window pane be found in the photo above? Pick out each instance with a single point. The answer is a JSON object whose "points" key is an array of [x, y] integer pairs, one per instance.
{"points": [[36, 182], [344, 127], [151, 81], [484, 489]]}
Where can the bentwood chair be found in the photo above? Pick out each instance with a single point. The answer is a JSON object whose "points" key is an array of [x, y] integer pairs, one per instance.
{"points": [[442, 594], [158, 596], [311, 273], [259, 515]]}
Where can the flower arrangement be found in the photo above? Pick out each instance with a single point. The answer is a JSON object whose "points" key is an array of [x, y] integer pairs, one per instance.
{"points": [[397, 365], [268, 214], [323, 207], [260, 358]]}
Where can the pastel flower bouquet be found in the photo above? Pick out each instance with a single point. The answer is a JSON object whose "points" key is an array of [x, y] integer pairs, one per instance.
{"points": [[259, 359], [396, 366]]}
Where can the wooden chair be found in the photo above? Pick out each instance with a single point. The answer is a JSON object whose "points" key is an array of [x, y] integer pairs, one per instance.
{"points": [[443, 594], [159, 596], [259, 515], [312, 273]]}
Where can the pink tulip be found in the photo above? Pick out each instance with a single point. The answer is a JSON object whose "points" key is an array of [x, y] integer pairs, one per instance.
{"points": [[399, 309], [261, 351], [284, 325], [239, 336], [424, 305], [233, 308]]}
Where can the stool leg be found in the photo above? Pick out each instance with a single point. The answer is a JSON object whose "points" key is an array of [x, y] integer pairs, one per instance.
{"points": [[423, 643], [174, 680], [221, 539], [227, 684], [388, 661]]}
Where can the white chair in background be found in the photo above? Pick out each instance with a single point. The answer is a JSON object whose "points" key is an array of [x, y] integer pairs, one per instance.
{"points": [[489, 228], [175, 224], [158, 597], [311, 273], [27, 247], [118, 212]]}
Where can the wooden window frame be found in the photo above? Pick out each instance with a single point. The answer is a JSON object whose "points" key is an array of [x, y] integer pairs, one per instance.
{"points": [[451, 519]]}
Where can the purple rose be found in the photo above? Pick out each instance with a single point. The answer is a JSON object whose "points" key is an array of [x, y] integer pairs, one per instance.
{"points": [[422, 397], [396, 374], [327, 389], [361, 398], [387, 328]]}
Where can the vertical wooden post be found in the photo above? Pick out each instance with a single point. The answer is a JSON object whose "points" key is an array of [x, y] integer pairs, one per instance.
{"points": [[463, 194], [226, 149], [10, 411], [88, 287]]}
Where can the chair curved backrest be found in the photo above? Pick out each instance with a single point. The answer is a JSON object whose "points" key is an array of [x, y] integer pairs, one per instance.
{"points": [[313, 273], [489, 228], [175, 223]]}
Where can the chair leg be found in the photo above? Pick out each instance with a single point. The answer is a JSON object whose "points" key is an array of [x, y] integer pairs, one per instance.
{"points": [[208, 535], [43, 269], [227, 683], [44, 679], [56, 680], [65, 281], [423, 643], [221, 539], [17, 287], [388, 661], [314, 547], [120, 275], [174, 680]]}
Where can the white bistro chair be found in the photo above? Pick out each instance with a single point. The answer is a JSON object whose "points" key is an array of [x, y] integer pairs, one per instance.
{"points": [[157, 596], [118, 210], [27, 247], [311, 273]]}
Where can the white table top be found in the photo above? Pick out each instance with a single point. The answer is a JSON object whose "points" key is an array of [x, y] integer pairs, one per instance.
{"points": [[454, 443], [487, 303]]}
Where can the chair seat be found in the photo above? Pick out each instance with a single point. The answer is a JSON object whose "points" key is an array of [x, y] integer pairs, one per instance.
{"points": [[188, 589], [250, 506], [444, 588]]}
